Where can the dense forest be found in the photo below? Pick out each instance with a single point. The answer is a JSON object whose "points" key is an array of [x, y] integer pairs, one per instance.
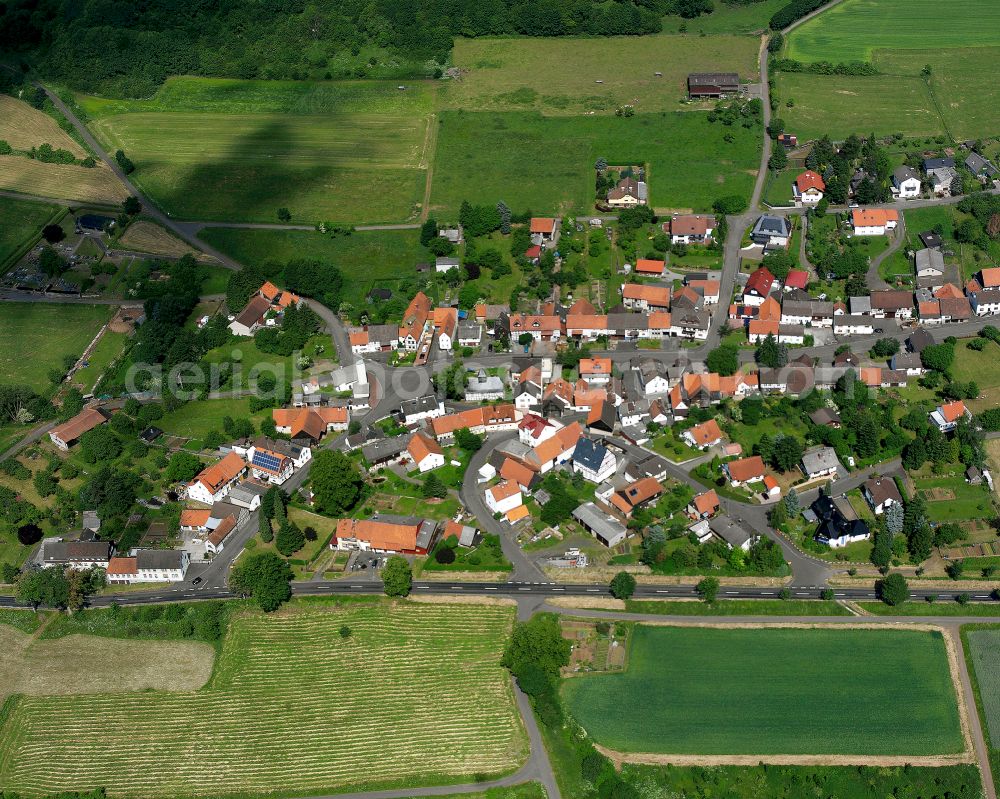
{"points": [[128, 48]]}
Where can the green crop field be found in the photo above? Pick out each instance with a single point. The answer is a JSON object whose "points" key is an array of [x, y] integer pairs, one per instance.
{"points": [[854, 29], [415, 696], [743, 19], [34, 338], [547, 163], [20, 222], [560, 75], [771, 691], [839, 105], [959, 41], [364, 257], [226, 149]]}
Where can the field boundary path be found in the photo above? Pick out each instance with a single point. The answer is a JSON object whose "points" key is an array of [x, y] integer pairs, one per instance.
{"points": [[181, 231]]}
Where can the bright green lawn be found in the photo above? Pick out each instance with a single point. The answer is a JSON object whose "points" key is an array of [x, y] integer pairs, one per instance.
{"points": [[20, 222], [34, 337], [364, 257], [107, 349], [969, 501], [546, 163], [982, 367], [238, 150], [199, 417], [769, 691], [738, 607], [852, 30]]}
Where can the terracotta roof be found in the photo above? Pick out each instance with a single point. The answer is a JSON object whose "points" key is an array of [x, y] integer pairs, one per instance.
{"points": [[446, 320], [595, 366], [534, 251], [809, 180], [746, 468], [583, 306], [689, 225], [222, 472], [564, 439], [873, 217], [85, 421], [276, 296], [769, 310], [629, 497], [929, 308], [706, 433], [871, 375], [517, 472], [649, 266], [516, 514], [532, 374], [770, 482], [359, 338], [949, 291], [797, 279], [421, 445], [990, 277], [220, 533], [311, 421], [561, 388], [381, 535], [707, 502], [586, 322], [525, 323], [505, 489], [658, 320], [415, 316], [654, 295], [585, 396], [195, 517], [542, 224], [122, 566], [709, 288], [758, 327], [475, 417], [953, 410], [760, 281]]}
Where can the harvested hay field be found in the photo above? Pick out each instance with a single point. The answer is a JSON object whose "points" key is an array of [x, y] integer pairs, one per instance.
{"points": [[149, 237], [24, 127], [765, 691], [414, 696], [84, 664], [61, 181]]}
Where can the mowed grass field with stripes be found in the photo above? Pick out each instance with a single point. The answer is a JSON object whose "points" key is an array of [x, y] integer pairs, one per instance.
{"points": [[215, 149], [414, 696]]}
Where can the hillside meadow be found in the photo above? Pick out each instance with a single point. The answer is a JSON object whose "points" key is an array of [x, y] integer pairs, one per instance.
{"points": [[794, 691], [21, 222], [413, 695], [238, 150], [582, 76], [547, 163]]}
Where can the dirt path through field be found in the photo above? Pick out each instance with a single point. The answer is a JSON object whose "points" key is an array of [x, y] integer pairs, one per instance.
{"points": [[430, 147]]}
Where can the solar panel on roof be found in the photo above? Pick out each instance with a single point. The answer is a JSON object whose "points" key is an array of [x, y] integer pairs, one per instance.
{"points": [[266, 461]]}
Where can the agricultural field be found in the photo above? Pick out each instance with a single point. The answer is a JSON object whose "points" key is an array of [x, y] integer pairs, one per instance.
{"points": [[34, 338], [682, 693], [960, 42], [546, 163], [24, 127], [84, 664], [226, 149], [737, 607], [982, 646], [21, 222], [839, 105], [149, 237], [365, 258], [62, 181], [558, 76], [413, 696], [854, 29], [108, 348]]}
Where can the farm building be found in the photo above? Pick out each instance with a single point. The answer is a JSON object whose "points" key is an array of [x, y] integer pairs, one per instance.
{"points": [[712, 84], [606, 529], [68, 433]]}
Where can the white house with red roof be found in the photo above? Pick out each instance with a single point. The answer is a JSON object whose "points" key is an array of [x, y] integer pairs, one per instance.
{"points": [[808, 188], [946, 416], [758, 286]]}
